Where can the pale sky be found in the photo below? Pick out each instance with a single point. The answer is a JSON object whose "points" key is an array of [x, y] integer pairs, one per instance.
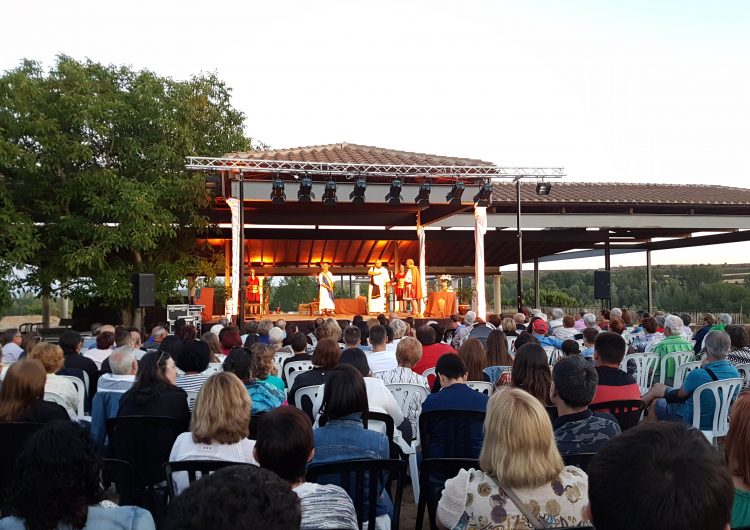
{"points": [[636, 91]]}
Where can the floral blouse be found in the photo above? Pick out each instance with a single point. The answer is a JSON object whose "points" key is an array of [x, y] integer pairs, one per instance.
{"points": [[472, 500]]}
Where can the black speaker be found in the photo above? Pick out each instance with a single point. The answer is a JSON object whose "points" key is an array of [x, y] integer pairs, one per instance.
{"points": [[602, 287], [144, 287]]}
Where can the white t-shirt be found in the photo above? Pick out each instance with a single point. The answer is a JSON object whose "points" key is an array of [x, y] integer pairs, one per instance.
{"points": [[382, 361], [97, 355]]}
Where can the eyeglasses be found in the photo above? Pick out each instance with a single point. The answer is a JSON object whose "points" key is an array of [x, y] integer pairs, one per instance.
{"points": [[162, 357]]}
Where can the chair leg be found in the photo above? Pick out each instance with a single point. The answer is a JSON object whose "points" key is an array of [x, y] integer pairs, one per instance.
{"points": [[421, 506], [414, 472]]}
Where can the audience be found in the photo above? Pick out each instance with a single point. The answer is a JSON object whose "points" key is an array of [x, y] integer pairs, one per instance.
{"points": [[214, 346], [329, 329], [285, 446], [112, 386], [540, 328], [51, 357], [738, 460], [243, 362], [616, 325], [193, 361], [649, 339], [659, 477], [104, 342], [264, 366], [531, 372], [556, 319], [234, 497], [22, 395], [520, 319], [325, 358], [475, 359], [708, 321], [12, 350], [298, 343], [570, 347], [739, 352], [589, 338], [567, 330], [580, 325], [673, 342], [380, 359], [508, 326], [463, 331], [577, 429], [219, 426], [614, 384], [29, 340], [431, 350], [518, 459], [57, 485], [230, 338], [71, 343], [499, 360]]}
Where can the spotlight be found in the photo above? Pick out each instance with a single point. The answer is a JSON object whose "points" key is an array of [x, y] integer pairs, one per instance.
{"points": [[394, 196], [277, 191], [484, 196], [543, 188], [305, 193], [358, 195], [213, 185], [329, 195], [454, 195], [423, 198]]}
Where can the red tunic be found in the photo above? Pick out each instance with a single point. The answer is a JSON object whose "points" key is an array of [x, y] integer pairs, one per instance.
{"points": [[399, 288], [253, 290]]}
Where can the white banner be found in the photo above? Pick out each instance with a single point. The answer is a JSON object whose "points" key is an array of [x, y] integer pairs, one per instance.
{"points": [[232, 305], [480, 228]]}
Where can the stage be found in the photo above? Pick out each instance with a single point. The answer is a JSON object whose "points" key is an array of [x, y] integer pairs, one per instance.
{"points": [[306, 323]]}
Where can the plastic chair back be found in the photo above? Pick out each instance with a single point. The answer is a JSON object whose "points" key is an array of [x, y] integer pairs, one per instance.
{"points": [[80, 387], [364, 480], [510, 340], [744, 370], [256, 421], [432, 476], [405, 393], [192, 470], [122, 475], [453, 430], [645, 366], [580, 460], [676, 358], [626, 412], [481, 386], [280, 357], [304, 399], [552, 354], [13, 436], [680, 373], [213, 368], [724, 392], [192, 395], [56, 398], [294, 368], [430, 375]]}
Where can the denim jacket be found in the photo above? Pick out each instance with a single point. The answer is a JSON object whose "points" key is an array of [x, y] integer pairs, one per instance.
{"points": [[346, 439]]}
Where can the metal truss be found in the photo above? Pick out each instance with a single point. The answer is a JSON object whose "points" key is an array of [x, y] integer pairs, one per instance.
{"points": [[350, 171]]}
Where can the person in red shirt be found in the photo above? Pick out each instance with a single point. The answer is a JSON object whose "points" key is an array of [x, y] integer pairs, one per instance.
{"points": [[614, 384], [431, 349]]}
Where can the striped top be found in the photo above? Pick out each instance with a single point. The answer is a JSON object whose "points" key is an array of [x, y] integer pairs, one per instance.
{"points": [[325, 506]]}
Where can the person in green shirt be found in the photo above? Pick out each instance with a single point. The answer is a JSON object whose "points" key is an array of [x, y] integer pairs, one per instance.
{"points": [[673, 342], [738, 459]]}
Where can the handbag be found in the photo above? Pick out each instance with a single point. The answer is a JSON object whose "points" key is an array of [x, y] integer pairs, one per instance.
{"points": [[535, 521]]}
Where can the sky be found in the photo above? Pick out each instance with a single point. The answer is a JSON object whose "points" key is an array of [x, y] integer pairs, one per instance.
{"points": [[636, 91]]}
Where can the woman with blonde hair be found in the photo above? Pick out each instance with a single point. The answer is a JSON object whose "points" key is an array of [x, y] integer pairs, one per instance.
{"points": [[52, 358], [219, 426], [213, 345], [330, 329], [522, 480]]}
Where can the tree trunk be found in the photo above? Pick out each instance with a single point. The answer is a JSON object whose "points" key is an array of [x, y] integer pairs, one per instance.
{"points": [[45, 311]]}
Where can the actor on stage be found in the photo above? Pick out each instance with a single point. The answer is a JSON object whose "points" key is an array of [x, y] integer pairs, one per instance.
{"points": [[252, 292], [412, 287], [325, 290], [377, 295], [399, 288]]}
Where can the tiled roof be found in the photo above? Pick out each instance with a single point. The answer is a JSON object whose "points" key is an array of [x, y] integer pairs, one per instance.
{"points": [[618, 193], [357, 154]]}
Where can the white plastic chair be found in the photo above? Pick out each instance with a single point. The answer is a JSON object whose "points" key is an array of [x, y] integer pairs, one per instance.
{"points": [[724, 393], [293, 368], [280, 357], [80, 389], [312, 393], [429, 372], [680, 373], [56, 398], [552, 354], [481, 386], [744, 370], [213, 368], [645, 366], [191, 397], [678, 358], [510, 340]]}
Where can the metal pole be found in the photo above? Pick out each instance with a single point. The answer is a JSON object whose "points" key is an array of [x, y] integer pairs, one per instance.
{"points": [[608, 268], [537, 296], [519, 298], [649, 288], [241, 309]]}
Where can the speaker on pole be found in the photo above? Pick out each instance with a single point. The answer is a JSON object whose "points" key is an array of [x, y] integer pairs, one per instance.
{"points": [[144, 287], [602, 286]]}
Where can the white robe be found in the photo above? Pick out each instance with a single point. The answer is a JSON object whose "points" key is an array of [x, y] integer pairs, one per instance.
{"points": [[325, 297], [377, 305]]}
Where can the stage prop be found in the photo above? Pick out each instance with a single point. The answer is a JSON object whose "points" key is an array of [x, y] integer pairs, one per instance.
{"points": [[441, 304]]}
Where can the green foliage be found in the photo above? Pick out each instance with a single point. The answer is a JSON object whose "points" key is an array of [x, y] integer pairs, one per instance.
{"points": [[292, 291], [96, 154]]}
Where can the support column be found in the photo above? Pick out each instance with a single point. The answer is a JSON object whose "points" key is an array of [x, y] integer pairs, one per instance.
{"points": [[649, 288], [356, 290], [608, 268], [519, 235], [64, 305], [422, 265], [396, 264], [537, 294], [232, 303], [241, 297], [498, 282], [227, 264], [480, 228]]}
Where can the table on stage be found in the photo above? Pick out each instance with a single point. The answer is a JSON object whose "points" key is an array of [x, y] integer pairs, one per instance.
{"points": [[351, 306], [433, 308]]}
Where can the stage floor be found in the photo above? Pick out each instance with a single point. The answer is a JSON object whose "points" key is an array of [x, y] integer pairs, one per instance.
{"points": [[298, 319]]}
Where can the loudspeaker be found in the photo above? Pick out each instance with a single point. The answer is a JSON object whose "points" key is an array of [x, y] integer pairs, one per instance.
{"points": [[144, 287], [602, 287]]}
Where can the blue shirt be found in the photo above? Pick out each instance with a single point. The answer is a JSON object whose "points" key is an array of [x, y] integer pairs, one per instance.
{"points": [[588, 352], [723, 370], [548, 341], [457, 396], [119, 518]]}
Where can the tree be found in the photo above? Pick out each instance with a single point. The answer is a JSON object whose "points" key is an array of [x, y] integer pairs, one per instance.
{"points": [[292, 291], [95, 155]]}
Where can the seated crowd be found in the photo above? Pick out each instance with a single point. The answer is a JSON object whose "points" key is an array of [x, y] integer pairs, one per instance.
{"points": [[557, 444]]}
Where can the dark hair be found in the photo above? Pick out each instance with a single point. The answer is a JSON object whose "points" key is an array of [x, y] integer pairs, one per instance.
{"points": [[285, 442], [151, 371], [231, 338], [236, 497], [382, 320], [524, 338], [391, 336], [352, 335], [568, 321], [660, 475], [576, 380], [344, 393], [356, 358], [378, 335], [105, 340], [326, 354], [604, 312], [357, 320], [531, 371], [172, 345], [570, 347], [195, 356], [686, 319], [426, 335], [188, 333], [589, 334], [497, 349], [649, 324], [58, 465], [69, 341], [610, 347], [122, 337], [473, 355], [451, 366], [298, 342], [616, 325], [494, 319], [738, 336], [239, 362]]}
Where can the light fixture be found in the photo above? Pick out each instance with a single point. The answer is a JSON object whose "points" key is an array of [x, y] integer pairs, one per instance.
{"points": [[277, 191], [454, 195], [329, 195], [484, 196], [394, 195], [543, 188], [358, 195], [423, 198], [213, 185], [305, 193]]}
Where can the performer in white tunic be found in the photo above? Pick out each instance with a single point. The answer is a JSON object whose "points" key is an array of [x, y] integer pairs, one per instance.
{"points": [[377, 295], [325, 290]]}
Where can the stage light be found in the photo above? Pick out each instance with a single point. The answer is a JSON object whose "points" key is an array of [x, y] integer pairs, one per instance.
{"points": [[543, 188], [213, 185], [305, 193], [394, 196], [423, 198], [329, 195], [484, 196], [454, 195], [358, 195], [277, 191]]}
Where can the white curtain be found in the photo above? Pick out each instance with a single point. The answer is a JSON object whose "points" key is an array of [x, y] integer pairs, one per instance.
{"points": [[422, 268], [232, 305], [480, 228]]}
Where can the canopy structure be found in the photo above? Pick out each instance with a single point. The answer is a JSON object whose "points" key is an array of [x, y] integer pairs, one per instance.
{"points": [[302, 207]]}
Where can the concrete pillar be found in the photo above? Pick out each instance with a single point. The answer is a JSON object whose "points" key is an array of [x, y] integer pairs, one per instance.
{"points": [[498, 282]]}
